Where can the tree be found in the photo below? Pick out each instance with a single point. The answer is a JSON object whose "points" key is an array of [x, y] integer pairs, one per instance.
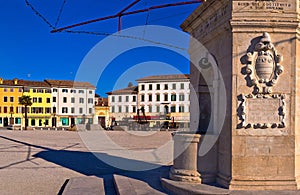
{"points": [[26, 101]]}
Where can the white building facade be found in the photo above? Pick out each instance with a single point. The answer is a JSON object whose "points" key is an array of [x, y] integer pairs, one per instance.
{"points": [[72, 103], [123, 103], [165, 94]]}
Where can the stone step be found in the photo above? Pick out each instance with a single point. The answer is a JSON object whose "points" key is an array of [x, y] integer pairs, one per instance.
{"points": [[179, 188], [129, 186], [84, 185]]}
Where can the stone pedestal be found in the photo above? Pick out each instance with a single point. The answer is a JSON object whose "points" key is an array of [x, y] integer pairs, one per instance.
{"points": [[185, 157], [255, 44]]}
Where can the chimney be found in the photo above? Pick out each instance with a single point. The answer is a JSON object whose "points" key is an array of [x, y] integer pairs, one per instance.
{"points": [[15, 81]]}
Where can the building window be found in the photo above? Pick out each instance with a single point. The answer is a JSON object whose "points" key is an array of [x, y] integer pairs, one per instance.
{"points": [[120, 98], [47, 90], [150, 86], [181, 97], [90, 110], [166, 87], [20, 89], [11, 89], [133, 108], [54, 99], [46, 122], [181, 85], [166, 97], [11, 99], [4, 109], [134, 98], [40, 100], [142, 87], [127, 98], [120, 109], [90, 92], [5, 89], [80, 110], [54, 90], [5, 99], [48, 100], [11, 109], [33, 90], [112, 109], [18, 121], [40, 91], [81, 100], [157, 108], [65, 100], [127, 109], [157, 97], [72, 100], [54, 110], [181, 108], [72, 110], [26, 89], [173, 97], [64, 121], [150, 108], [64, 90], [150, 97], [34, 100], [32, 122], [142, 98], [113, 99], [64, 110], [174, 86], [73, 91], [90, 101], [0, 120], [157, 86], [0, 109], [48, 110], [81, 91], [173, 108]]}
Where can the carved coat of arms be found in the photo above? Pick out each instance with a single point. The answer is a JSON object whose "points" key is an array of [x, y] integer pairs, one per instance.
{"points": [[263, 65]]}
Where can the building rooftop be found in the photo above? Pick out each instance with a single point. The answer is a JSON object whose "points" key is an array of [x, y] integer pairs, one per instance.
{"points": [[128, 90], [66, 83], [101, 101], [164, 77], [21, 83]]}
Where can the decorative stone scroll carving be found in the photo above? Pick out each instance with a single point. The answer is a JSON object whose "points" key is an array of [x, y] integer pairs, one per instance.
{"points": [[263, 66], [261, 111]]}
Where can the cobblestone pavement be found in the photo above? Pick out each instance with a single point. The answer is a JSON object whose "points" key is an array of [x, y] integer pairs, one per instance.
{"points": [[39, 162]]}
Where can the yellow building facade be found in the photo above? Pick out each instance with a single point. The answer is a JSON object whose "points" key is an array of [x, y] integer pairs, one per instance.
{"points": [[12, 114], [39, 113], [10, 110]]}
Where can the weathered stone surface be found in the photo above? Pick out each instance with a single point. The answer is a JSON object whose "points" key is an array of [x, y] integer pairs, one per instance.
{"points": [[185, 157], [255, 44]]}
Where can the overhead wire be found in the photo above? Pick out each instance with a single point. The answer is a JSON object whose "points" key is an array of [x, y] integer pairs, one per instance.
{"points": [[60, 13], [39, 14]]}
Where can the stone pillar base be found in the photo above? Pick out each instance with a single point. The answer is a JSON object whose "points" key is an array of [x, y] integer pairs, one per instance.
{"points": [[184, 175], [185, 157]]}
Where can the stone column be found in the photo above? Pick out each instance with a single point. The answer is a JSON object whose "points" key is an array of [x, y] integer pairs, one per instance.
{"points": [[185, 157]]}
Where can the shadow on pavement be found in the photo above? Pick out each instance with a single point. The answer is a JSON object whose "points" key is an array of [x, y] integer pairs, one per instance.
{"points": [[88, 164]]}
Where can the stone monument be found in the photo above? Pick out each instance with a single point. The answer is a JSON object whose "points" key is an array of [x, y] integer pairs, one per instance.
{"points": [[255, 44]]}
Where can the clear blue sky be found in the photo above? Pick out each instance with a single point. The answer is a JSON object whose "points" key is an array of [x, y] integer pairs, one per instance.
{"points": [[30, 51]]}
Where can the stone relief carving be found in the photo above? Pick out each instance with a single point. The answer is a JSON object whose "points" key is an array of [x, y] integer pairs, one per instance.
{"points": [[261, 111], [263, 65]]}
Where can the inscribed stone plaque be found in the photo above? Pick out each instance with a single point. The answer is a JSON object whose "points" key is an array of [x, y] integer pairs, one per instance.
{"points": [[263, 110], [264, 5]]}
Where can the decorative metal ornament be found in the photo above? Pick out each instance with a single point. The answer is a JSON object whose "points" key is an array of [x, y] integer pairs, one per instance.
{"points": [[263, 65]]}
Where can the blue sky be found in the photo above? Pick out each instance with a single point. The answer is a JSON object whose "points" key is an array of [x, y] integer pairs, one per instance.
{"points": [[30, 51]]}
